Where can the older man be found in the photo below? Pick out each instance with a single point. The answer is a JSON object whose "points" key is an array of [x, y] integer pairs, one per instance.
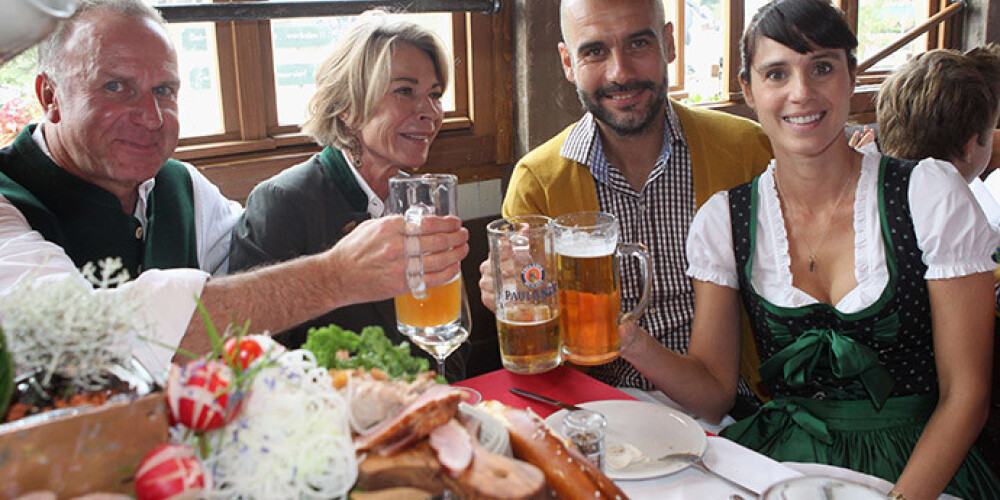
{"points": [[96, 180], [636, 154]]}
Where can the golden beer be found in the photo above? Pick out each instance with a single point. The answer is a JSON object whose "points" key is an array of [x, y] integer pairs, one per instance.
{"points": [[529, 338], [589, 302], [439, 307]]}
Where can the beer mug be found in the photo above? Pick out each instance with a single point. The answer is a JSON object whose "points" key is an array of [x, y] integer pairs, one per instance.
{"points": [[587, 254], [527, 303], [436, 319]]}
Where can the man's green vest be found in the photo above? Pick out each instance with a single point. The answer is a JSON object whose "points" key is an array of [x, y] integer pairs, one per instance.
{"points": [[88, 222]]}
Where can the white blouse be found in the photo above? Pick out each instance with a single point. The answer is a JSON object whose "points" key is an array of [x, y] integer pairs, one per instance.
{"points": [[951, 230]]}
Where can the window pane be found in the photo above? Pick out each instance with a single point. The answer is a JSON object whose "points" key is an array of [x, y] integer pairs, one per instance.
{"points": [[703, 50], [18, 105], [200, 98], [880, 22], [301, 45]]}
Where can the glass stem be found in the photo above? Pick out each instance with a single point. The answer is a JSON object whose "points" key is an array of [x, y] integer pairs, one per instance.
{"points": [[440, 363]]}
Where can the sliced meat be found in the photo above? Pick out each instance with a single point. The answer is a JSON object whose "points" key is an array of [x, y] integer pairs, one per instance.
{"points": [[433, 408], [453, 446]]}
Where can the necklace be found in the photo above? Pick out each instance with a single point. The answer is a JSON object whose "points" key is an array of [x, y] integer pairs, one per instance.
{"points": [[826, 227]]}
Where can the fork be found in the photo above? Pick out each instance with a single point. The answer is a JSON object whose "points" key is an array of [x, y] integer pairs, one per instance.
{"points": [[696, 461]]}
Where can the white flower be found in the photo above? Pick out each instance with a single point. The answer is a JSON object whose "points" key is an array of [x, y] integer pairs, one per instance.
{"points": [[67, 328]]}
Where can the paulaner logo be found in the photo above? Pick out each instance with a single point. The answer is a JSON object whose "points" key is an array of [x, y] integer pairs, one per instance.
{"points": [[530, 295], [532, 275]]}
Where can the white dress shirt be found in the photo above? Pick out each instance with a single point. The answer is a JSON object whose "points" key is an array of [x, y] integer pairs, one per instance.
{"points": [[376, 206], [988, 195]]}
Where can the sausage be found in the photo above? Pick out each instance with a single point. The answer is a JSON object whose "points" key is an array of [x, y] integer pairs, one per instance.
{"points": [[567, 472]]}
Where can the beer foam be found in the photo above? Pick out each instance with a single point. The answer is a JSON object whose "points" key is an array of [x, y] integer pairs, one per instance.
{"points": [[581, 245]]}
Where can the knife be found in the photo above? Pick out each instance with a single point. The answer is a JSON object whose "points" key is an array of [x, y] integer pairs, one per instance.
{"points": [[539, 397]]}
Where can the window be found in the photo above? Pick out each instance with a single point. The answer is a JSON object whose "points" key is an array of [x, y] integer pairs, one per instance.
{"points": [[881, 22], [707, 40], [265, 77], [245, 85], [200, 99], [18, 105]]}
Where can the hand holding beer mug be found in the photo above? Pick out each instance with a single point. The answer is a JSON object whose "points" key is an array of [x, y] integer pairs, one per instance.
{"points": [[527, 305], [435, 319], [587, 255]]}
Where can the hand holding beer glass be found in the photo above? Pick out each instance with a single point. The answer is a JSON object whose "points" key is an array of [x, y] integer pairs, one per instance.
{"points": [[436, 319], [587, 255], [527, 303]]}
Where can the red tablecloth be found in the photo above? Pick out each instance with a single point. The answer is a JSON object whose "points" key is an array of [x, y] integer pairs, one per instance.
{"points": [[562, 383]]}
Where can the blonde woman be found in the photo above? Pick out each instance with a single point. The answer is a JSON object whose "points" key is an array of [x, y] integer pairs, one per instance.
{"points": [[376, 110]]}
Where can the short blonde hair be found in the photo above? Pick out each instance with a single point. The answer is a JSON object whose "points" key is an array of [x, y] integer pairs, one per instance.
{"points": [[354, 77]]}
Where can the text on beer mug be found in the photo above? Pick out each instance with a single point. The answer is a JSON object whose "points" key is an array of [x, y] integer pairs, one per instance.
{"points": [[527, 303]]}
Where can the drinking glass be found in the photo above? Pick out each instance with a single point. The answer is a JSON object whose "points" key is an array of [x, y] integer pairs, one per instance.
{"points": [[527, 303], [587, 260], [436, 319], [820, 488]]}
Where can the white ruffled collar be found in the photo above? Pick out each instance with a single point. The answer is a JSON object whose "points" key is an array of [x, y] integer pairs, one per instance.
{"points": [[870, 283]]}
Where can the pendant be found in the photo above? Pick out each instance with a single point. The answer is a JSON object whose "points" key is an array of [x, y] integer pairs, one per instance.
{"points": [[812, 263]]}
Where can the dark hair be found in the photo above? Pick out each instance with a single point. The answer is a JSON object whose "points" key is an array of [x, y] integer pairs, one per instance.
{"points": [[801, 25]]}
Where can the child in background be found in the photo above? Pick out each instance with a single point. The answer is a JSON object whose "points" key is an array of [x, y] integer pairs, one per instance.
{"points": [[944, 104]]}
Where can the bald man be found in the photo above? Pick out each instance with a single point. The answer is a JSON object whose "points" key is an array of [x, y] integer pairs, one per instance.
{"points": [[636, 154]]}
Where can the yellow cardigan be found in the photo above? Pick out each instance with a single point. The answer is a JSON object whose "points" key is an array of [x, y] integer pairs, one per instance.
{"points": [[726, 151]]}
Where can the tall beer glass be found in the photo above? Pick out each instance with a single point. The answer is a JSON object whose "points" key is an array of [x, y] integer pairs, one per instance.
{"points": [[527, 303], [436, 319], [587, 255]]}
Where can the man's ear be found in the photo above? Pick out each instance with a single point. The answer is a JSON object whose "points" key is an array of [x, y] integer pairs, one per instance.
{"points": [[668, 42], [45, 90], [567, 62]]}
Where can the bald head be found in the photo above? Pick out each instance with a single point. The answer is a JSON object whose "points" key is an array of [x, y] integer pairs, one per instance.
{"points": [[616, 52], [569, 10]]}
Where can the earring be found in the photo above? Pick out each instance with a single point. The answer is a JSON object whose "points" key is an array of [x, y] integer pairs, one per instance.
{"points": [[354, 149]]}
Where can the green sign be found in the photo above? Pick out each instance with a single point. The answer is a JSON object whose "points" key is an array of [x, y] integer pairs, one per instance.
{"points": [[199, 78], [194, 39], [302, 36], [295, 74]]}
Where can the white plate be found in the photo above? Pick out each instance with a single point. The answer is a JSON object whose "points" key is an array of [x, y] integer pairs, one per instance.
{"points": [[652, 428], [832, 471]]}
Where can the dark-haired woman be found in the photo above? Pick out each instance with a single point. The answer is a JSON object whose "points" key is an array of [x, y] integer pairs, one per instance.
{"points": [[864, 278]]}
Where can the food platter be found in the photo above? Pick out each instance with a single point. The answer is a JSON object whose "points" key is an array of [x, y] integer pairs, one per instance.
{"points": [[650, 429]]}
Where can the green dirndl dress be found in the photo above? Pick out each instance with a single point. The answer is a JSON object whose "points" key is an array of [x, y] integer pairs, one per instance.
{"points": [[851, 390]]}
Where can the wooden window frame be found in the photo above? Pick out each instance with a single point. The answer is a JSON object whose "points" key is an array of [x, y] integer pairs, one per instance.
{"points": [[944, 34], [475, 143]]}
